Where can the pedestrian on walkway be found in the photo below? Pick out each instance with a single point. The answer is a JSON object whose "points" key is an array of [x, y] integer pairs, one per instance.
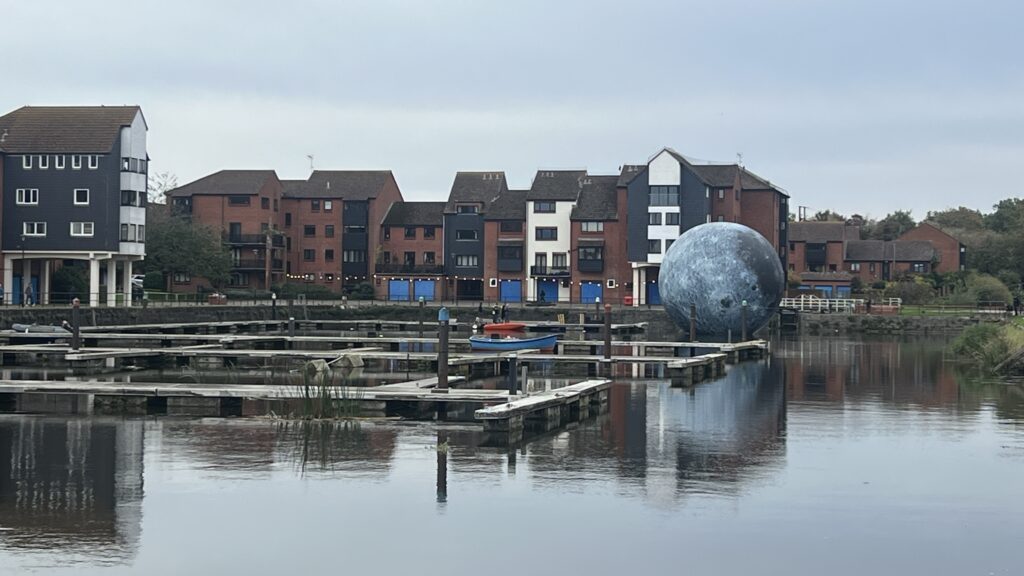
{"points": [[504, 312]]}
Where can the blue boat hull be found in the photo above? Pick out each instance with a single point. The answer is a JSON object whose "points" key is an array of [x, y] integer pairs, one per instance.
{"points": [[512, 344]]}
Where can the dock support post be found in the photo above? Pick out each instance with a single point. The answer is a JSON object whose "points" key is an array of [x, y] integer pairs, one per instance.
{"points": [[76, 321], [693, 322], [442, 350], [442, 468], [743, 322], [513, 373]]}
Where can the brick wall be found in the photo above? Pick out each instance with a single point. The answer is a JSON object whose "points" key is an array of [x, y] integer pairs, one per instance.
{"points": [[397, 245], [760, 211], [325, 272], [947, 247]]}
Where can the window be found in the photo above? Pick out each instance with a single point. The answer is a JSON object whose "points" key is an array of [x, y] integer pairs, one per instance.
{"points": [[76, 162], [792, 246], [546, 233], [328, 205], [33, 228], [409, 258], [353, 256], [654, 219], [82, 229], [329, 230], [410, 232], [593, 226], [355, 229], [592, 253], [654, 246], [468, 209], [668, 244], [510, 253], [511, 226], [27, 196], [132, 232], [721, 218], [428, 232], [238, 279], [124, 232], [329, 255], [919, 267], [309, 255], [428, 258], [663, 196], [782, 225], [287, 218], [871, 267], [465, 261], [672, 218], [81, 196], [559, 260], [855, 267], [387, 232], [387, 257], [238, 200], [465, 235], [540, 259], [26, 162], [543, 207], [59, 162], [275, 204], [265, 203], [142, 232], [721, 194], [43, 161], [182, 278], [94, 162], [309, 230], [125, 165], [314, 205]]}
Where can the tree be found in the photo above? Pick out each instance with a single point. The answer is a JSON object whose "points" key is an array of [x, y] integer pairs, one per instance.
{"points": [[160, 183], [828, 216], [1007, 216], [176, 244], [960, 218], [892, 226]]}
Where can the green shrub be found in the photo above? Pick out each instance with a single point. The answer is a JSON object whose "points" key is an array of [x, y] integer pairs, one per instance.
{"points": [[68, 283], [154, 281], [363, 291], [984, 344]]}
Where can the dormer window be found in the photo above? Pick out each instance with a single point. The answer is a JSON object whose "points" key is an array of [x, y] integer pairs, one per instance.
{"points": [[26, 162], [43, 161], [94, 162], [543, 207], [468, 209]]}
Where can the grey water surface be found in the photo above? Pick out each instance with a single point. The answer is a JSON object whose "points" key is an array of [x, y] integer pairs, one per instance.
{"points": [[835, 456]]}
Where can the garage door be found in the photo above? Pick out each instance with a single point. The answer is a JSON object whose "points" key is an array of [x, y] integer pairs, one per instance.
{"points": [[653, 296], [590, 292], [547, 291], [423, 289], [398, 290], [511, 291]]}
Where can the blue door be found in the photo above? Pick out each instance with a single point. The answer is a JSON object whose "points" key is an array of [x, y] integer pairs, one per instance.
{"points": [[547, 291], [826, 291], [423, 289], [590, 292], [511, 290], [842, 291], [653, 295], [398, 290], [18, 290]]}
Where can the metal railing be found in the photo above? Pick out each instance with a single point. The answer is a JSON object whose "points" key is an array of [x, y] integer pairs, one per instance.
{"points": [[550, 271]]}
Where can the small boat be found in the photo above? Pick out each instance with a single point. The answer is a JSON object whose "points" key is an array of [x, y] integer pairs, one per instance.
{"points": [[38, 329], [510, 344], [505, 327]]}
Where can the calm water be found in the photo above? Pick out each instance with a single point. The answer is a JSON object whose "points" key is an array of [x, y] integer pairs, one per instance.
{"points": [[834, 457]]}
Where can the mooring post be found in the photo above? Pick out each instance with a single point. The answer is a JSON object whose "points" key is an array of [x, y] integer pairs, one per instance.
{"points": [[273, 305], [442, 350], [513, 373], [607, 331], [743, 322], [442, 468], [76, 321], [693, 322]]}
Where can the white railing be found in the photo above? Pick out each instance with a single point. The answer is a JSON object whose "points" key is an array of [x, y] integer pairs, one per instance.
{"points": [[811, 303]]}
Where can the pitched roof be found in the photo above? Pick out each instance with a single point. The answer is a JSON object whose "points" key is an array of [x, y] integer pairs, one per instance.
{"points": [[556, 185], [628, 172], [352, 185], [598, 199], [819, 232], [932, 225], [724, 176], [482, 187], [510, 205], [64, 129], [226, 182], [415, 214], [293, 188], [881, 251]]}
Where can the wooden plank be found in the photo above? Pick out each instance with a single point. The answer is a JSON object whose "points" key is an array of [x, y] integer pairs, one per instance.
{"points": [[541, 400]]}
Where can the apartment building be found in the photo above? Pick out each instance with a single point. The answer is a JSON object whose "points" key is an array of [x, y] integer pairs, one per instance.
{"points": [[505, 233], [470, 198], [598, 227], [409, 265], [74, 184], [549, 205]]}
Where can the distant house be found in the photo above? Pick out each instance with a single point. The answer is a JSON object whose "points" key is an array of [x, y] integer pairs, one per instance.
{"points": [[410, 262]]}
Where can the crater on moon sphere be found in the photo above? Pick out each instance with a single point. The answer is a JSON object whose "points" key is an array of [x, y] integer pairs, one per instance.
{"points": [[716, 267]]}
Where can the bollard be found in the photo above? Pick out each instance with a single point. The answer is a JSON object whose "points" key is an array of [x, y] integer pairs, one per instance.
{"points": [[743, 322], [693, 322], [442, 350], [76, 321]]}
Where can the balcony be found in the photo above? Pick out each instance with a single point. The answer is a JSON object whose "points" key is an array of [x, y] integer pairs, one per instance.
{"points": [[254, 239], [394, 268], [257, 264], [590, 265], [550, 271], [510, 265]]}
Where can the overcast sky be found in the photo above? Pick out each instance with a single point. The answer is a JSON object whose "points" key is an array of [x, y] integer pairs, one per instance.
{"points": [[862, 106]]}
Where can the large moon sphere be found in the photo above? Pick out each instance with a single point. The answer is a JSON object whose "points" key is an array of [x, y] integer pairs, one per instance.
{"points": [[716, 267]]}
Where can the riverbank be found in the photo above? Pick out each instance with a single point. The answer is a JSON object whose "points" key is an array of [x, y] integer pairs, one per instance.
{"points": [[993, 348], [816, 324]]}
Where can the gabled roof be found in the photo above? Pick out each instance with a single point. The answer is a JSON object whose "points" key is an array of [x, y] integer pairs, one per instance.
{"points": [[819, 232], [475, 187], [64, 129], [511, 205], [598, 199], [558, 185], [866, 250], [882, 251], [227, 183], [628, 172], [293, 188], [415, 214], [351, 185], [933, 226]]}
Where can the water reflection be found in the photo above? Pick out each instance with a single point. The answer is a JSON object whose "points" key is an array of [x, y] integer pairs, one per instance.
{"points": [[73, 485]]}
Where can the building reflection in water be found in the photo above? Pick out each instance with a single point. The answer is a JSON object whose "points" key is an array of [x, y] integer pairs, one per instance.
{"points": [[73, 485]]}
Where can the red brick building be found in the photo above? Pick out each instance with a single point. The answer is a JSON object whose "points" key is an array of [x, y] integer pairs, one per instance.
{"points": [[505, 246], [598, 242], [410, 262], [950, 253]]}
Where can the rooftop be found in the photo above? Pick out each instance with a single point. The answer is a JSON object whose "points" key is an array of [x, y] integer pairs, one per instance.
{"points": [[415, 214], [598, 199], [558, 185], [476, 188], [226, 182], [821, 232], [64, 129]]}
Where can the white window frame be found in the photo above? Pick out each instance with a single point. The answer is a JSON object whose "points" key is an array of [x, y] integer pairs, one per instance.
{"points": [[142, 233], [592, 226], [855, 267], [26, 162], [59, 162], [74, 197], [20, 197], [76, 162], [94, 162], [86, 229], [38, 229], [43, 161], [328, 205]]}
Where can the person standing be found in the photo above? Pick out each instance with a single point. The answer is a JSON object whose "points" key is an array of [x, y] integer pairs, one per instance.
{"points": [[504, 312], [28, 294], [494, 314]]}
